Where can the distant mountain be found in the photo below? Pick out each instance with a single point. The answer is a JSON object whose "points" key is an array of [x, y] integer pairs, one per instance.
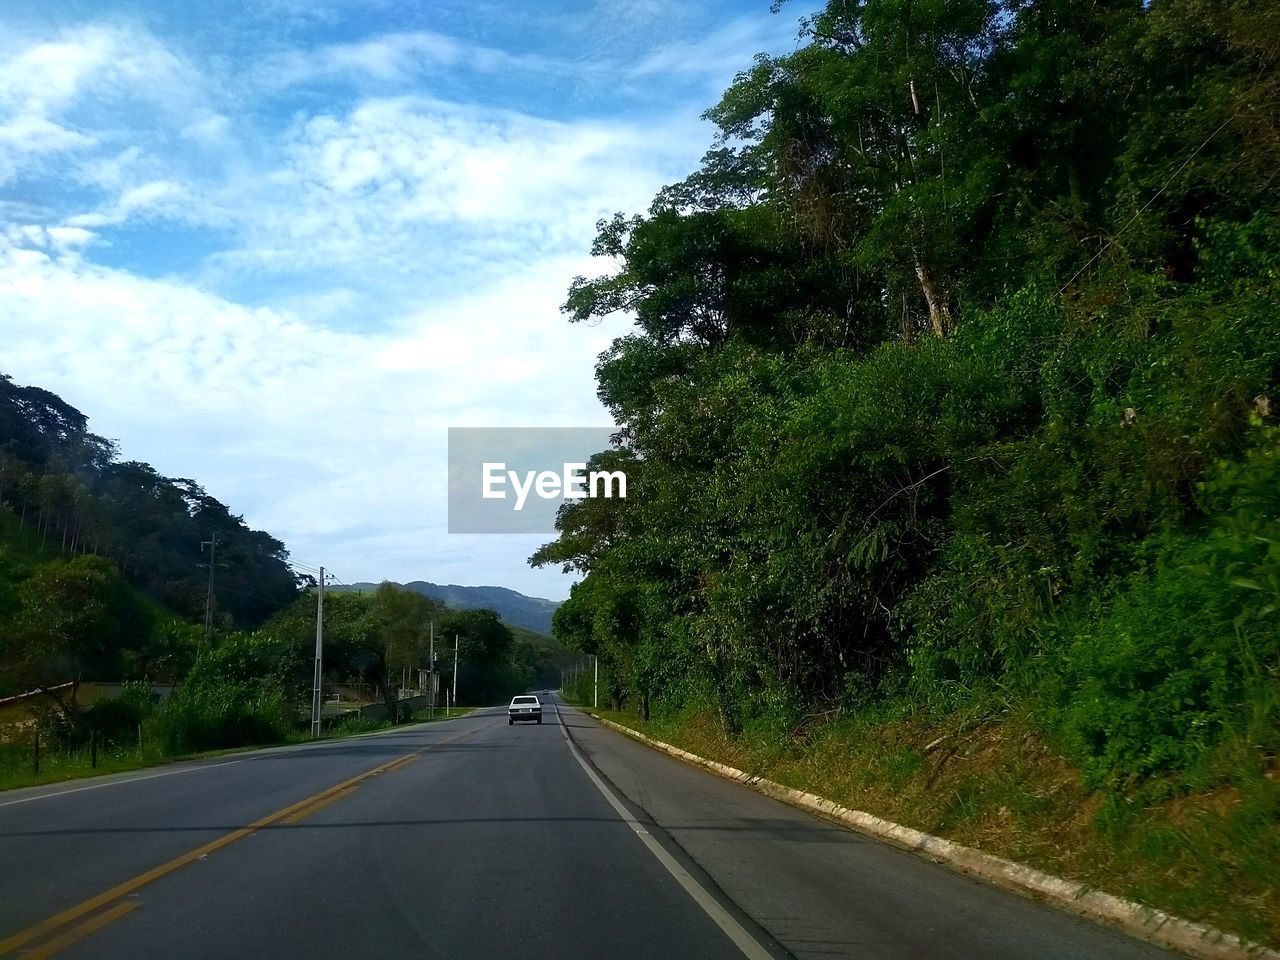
{"points": [[532, 613]]}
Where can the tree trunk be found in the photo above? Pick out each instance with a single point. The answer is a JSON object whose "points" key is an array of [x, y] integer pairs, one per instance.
{"points": [[940, 320], [393, 706]]}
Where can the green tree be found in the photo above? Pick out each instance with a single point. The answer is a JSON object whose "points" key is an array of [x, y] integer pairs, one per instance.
{"points": [[76, 620]]}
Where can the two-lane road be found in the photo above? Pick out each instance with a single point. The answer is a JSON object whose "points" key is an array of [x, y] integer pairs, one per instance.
{"points": [[473, 839]]}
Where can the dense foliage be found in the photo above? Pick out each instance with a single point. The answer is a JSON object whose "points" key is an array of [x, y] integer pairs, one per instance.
{"points": [[954, 376], [101, 566], [385, 634], [246, 687], [66, 483]]}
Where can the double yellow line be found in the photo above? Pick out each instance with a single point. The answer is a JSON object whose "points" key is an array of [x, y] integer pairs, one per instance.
{"points": [[290, 814]]}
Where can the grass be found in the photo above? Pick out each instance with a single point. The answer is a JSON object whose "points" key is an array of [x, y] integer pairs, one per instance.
{"points": [[56, 767], [16, 768], [991, 782]]}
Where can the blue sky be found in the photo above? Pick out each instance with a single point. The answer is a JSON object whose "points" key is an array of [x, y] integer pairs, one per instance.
{"points": [[282, 247]]}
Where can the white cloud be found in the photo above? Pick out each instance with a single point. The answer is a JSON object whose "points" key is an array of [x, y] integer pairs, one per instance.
{"points": [[210, 130], [40, 82], [398, 57], [334, 441], [414, 252], [410, 192], [69, 237], [438, 161], [26, 136], [46, 76], [718, 56], [155, 197]]}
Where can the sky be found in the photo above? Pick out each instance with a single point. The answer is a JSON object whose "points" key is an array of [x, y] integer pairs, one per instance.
{"points": [[281, 247]]}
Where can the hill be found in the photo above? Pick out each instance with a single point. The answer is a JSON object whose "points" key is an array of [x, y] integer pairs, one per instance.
{"points": [[71, 495], [516, 609], [102, 572]]}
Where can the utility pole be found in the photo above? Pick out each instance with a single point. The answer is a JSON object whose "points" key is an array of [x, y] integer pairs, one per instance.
{"points": [[431, 690], [316, 696], [595, 695], [455, 669], [212, 544]]}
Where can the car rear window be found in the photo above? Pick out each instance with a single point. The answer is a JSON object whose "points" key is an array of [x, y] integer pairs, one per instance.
{"points": [[525, 700]]}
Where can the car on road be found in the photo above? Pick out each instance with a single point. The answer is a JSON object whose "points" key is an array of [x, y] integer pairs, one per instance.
{"points": [[526, 707]]}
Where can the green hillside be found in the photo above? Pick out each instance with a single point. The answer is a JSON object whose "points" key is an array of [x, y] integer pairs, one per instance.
{"points": [[516, 609], [950, 422], [540, 654]]}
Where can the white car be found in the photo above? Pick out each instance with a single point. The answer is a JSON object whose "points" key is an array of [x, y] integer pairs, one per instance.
{"points": [[524, 708]]}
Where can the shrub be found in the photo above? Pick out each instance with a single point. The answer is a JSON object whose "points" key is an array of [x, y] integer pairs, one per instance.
{"points": [[1189, 655], [214, 716]]}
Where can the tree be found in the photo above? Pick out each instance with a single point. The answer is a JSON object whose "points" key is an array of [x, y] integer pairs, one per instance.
{"points": [[485, 648], [53, 468], [960, 308], [76, 620]]}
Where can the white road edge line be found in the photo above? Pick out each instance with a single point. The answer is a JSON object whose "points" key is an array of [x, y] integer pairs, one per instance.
{"points": [[113, 783], [249, 755], [742, 939]]}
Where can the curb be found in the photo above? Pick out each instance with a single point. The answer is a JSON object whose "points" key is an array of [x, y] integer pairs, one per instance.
{"points": [[1193, 939]]}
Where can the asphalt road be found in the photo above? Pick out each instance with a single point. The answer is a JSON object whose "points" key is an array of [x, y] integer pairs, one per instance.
{"points": [[473, 839]]}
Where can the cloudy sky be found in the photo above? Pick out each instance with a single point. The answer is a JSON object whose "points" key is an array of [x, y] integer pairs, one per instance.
{"points": [[281, 247]]}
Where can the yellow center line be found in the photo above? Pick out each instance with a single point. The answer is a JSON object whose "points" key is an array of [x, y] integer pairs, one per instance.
{"points": [[321, 804], [155, 873], [44, 927], [401, 763], [81, 931]]}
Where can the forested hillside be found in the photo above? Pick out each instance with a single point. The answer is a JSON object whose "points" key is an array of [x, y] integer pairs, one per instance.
{"points": [[516, 609], [101, 566], [102, 578], [953, 389], [68, 485]]}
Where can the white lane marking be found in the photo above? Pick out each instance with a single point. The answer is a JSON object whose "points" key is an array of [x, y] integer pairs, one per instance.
{"points": [[735, 931], [476, 713], [113, 783], [251, 754]]}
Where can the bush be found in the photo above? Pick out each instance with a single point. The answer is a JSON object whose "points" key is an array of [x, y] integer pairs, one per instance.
{"points": [[215, 716], [1185, 658], [355, 723], [115, 721]]}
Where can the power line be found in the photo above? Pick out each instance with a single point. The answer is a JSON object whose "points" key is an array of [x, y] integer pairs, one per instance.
{"points": [[1143, 208], [258, 596]]}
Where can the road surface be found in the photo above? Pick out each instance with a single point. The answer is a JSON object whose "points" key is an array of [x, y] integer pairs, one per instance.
{"points": [[473, 839]]}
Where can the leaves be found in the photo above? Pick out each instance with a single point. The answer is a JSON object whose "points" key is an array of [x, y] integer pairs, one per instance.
{"points": [[942, 379]]}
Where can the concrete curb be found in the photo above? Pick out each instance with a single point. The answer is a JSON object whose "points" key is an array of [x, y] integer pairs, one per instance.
{"points": [[1192, 939]]}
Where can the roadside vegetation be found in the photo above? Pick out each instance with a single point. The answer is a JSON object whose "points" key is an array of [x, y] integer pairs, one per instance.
{"points": [[131, 738], [101, 581], [950, 426], [253, 688]]}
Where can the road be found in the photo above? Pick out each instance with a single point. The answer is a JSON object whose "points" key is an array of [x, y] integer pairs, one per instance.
{"points": [[472, 839]]}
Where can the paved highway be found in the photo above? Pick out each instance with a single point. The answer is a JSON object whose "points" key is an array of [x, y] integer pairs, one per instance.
{"points": [[473, 839]]}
